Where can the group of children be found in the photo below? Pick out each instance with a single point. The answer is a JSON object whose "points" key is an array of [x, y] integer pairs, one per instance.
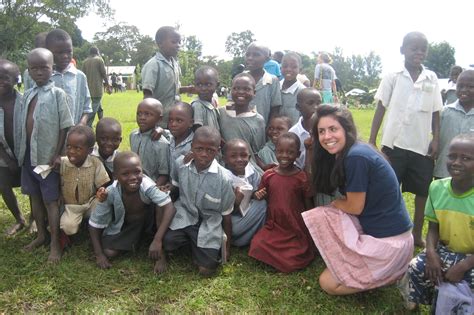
{"points": [[203, 175]]}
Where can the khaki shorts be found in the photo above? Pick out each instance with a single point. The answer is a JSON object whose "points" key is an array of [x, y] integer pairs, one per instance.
{"points": [[73, 214]]}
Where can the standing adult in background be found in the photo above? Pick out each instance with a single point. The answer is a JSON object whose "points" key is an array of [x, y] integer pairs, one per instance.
{"points": [[272, 65], [325, 79], [94, 68]]}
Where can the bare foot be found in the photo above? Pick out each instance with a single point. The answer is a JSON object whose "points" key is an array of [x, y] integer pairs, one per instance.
{"points": [[205, 272], [420, 243], [160, 265], [37, 242], [54, 254], [15, 229], [33, 229]]}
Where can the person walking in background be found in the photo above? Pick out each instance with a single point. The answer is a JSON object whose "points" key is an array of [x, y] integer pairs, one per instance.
{"points": [[325, 79], [94, 68]]}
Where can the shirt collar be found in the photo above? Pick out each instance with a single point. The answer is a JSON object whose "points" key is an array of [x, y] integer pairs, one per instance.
{"points": [[46, 87], [423, 74], [292, 89], [95, 152], [70, 68], [298, 128], [87, 162], [205, 103], [457, 106], [160, 56], [188, 139], [267, 78], [232, 113]]}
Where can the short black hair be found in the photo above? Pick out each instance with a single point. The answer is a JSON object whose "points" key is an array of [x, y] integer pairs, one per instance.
{"points": [[205, 69], [186, 106], [291, 136], [295, 56], [163, 32], [125, 155], [411, 36], [108, 121], [208, 133], [286, 119], [57, 35], [244, 75], [85, 131], [233, 142], [93, 50], [11, 67]]}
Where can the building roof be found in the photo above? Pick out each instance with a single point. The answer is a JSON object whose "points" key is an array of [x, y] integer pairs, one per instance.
{"points": [[124, 70]]}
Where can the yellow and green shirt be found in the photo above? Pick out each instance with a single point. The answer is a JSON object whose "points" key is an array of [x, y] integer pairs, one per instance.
{"points": [[454, 214]]}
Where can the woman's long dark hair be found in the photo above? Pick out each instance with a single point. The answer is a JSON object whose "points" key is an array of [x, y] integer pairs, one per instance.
{"points": [[327, 170]]}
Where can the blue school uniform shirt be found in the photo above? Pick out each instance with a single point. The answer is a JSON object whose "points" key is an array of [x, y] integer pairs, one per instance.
{"points": [[384, 212], [267, 95], [267, 153], [204, 197], [205, 114], [51, 115], [12, 152], [110, 214], [178, 150], [153, 154], [74, 83]]}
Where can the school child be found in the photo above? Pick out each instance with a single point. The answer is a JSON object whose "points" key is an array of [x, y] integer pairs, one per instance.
{"points": [[205, 111], [290, 86], [44, 121], [456, 118], [81, 176], [153, 154], [39, 42], [308, 100], [67, 77], [413, 101], [278, 125], [205, 203], [284, 242], [10, 109], [267, 98], [449, 95], [449, 243], [180, 124], [249, 214], [238, 121], [160, 75], [132, 206], [108, 136]]}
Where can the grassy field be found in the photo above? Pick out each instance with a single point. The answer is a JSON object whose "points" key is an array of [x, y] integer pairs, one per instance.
{"points": [[243, 285]]}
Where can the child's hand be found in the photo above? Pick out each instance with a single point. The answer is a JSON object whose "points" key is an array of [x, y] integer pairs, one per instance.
{"points": [[308, 143], [260, 194], [433, 150], [12, 165], [166, 187], [238, 195], [156, 133], [55, 162], [156, 249], [269, 166], [456, 273], [188, 157], [101, 194], [433, 268], [102, 262]]}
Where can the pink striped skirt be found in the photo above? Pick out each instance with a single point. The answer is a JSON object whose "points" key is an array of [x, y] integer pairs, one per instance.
{"points": [[355, 259]]}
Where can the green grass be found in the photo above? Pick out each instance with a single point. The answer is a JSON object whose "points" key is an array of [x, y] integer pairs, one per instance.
{"points": [[244, 285]]}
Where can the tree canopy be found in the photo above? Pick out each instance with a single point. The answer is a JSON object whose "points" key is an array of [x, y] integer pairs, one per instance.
{"points": [[440, 58]]}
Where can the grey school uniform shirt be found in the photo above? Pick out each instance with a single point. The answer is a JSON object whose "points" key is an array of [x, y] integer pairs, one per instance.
{"points": [[178, 150], [51, 115], [12, 152], [454, 121], [204, 197], [161, 77], [205, 114], [267, 153], [267, 95], [110, 214], [153, 154], [74, 83]]}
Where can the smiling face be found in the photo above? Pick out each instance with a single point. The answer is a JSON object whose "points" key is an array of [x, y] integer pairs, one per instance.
{"points": [[77, 149], [331, 135], [128, 172], [236, 157], [290, 68], [415, 50], [8, 78], [205, 84], [276, 127], [287, 151], [109, 137], [62, 52], [465, 88], [461, 161], [180, 121], [149, 114], [243, 90]]}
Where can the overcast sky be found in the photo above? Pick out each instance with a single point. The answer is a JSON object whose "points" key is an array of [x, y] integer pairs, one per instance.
{"points": [[356, 26]]}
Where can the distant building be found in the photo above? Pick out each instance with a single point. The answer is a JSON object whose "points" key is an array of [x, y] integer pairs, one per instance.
{"points": [[128, 75]]}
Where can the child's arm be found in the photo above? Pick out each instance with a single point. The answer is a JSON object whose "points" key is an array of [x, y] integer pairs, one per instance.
{"points": [[163, 216], [434, 264], [376, 122], [227, 225], [456, 273], [260, 194], [55, 161], [434, 145], [147, 93], [12, 163], [84, 118], [353, 203], [161, 180], [188, 89], [100, 258]]}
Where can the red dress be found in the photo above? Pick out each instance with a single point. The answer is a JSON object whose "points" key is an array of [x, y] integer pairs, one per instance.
{"points": [[284, 241]]}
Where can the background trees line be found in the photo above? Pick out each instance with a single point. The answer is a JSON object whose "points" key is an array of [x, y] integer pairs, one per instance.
{"points": [[123, 44]]}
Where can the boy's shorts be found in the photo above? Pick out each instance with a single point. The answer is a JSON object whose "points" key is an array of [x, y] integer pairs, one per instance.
{"points": [[72, 216], [414, 171], [9, 179], [34, 184], [203, 257]]}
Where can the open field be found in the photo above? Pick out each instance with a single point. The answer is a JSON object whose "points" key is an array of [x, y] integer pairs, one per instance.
{"points": [[243, 285]]}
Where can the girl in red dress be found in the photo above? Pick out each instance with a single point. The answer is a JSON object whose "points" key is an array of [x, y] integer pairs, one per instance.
{"points": [[284, 242]]}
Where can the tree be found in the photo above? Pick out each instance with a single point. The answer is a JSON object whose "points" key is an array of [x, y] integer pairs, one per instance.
{"points": [[21, 20], [440, 58], [192, 43], [144, 50], [237, 43], [119, 43]]}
